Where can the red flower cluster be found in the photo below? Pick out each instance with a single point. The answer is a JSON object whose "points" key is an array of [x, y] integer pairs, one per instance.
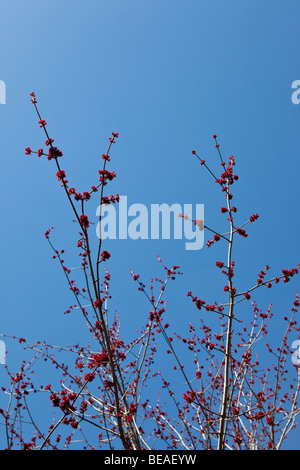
{"points": [[106, 175], [84, 221], [60, 175], [219, 264], [115, 135], [288, 273], [47, 233], [111, 199], [86, 195], [199, 303], [54, 152], [33, 97], [253, 217], [97, 303], [42, 123], [64, 402], [242, 232], [89, 377], [105, 255], [189, 396], [98, 359]]}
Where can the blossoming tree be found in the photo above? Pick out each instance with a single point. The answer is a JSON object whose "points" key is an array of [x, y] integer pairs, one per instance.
{"points": [[226, 397]]}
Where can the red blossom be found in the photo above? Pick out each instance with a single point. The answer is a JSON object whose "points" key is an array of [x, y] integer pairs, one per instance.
{"points": [[54, 152], [89, 377], [97, 303], [241, 232], [98, 359], [47, 233], [190, 396], [86, 195], [78, 197], [219, 264], [105, 255], [270, 420], [60, 175], [84, 221], [253, 217], [106, 175]]}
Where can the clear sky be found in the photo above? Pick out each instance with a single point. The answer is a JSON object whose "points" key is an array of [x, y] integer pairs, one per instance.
{"points": [[165, 74]]}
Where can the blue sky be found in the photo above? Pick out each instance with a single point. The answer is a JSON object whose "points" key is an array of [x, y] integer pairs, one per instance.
{"points": [[166, 75]]}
